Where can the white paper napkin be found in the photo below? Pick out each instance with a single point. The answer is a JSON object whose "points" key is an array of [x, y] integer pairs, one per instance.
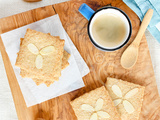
{"points": [[11, 7], [7, 108], [71, 78]]}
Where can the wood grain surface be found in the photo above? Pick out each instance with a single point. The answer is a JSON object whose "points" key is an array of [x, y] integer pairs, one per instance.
{"points": [[101, 64]]}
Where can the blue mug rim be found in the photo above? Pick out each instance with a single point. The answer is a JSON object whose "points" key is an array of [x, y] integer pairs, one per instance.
{"points": [[100, 47]]}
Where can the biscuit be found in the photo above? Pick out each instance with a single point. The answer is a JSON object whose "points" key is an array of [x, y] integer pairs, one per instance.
{"points": [[96, 104], [39, 81], [127, 97], [48, 83], [44, 65], [65, 58], [65, 63]]}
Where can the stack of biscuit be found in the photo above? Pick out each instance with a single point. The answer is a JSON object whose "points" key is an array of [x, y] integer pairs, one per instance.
{"points": [[41, 57]]}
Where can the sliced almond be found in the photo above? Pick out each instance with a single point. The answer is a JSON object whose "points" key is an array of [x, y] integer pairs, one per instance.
{"points": [[94, 116], [117, 101], [99, 104], [33, 49], [128, 106], [39, 62], [131, 93], [87, 107], [103, 114], [47, 50], [116, 90]]}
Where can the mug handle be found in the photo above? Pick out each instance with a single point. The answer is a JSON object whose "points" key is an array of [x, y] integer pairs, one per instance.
{"points": [[86, 11]]}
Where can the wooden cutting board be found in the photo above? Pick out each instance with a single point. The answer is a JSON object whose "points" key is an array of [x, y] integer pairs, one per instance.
{"points": [[101, 64]]}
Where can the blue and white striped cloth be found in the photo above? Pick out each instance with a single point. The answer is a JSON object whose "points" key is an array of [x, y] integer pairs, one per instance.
{"points": [[140, 7]]}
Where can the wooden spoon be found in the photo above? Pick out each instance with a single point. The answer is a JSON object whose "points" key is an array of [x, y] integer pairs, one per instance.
{"points": [[32, 0], [130, 55]]}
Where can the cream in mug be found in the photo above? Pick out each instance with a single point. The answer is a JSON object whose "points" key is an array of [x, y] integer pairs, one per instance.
{"points": [[109, 30]]}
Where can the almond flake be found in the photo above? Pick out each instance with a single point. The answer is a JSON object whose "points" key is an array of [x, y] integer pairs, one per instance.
{"points": [[99, 104], [94, 116], [117, 101], [103, 114], [87, 107], [117, 90], [47, 50], [128, 106], [131, 93], [33, 49], [39, 62]]}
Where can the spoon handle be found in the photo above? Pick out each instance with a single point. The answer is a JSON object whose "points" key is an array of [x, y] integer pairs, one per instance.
{"points": [[143, 27]]}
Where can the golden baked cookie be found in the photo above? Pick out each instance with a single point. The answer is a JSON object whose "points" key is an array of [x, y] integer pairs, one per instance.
{"points": [[127, 97], [65, 58], [95, 105], [39, 81], [41, 54], [65, 63]]}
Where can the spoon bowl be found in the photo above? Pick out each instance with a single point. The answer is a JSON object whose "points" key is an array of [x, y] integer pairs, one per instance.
{"points": [[129, 57]]}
